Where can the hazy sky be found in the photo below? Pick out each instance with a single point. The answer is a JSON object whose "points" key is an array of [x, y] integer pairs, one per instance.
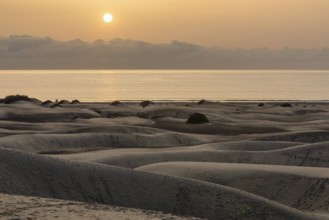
{"points": [[26, 52], [224, 23]]}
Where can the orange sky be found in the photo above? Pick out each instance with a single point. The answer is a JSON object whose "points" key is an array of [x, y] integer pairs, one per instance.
{"points": [[224, 23]]}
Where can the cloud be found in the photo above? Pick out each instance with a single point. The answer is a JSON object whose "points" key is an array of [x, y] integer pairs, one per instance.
{"points": [[27, 52]]}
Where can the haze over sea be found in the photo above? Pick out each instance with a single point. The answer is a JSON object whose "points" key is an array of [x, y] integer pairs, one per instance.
{"points": [[220, 85]]}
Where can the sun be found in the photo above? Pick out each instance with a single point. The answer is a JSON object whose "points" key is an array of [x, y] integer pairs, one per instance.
{"points": [[107, 18]]}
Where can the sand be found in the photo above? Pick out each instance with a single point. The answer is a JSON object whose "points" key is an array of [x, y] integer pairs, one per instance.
{"points": [[98, 161], [25, 207]]}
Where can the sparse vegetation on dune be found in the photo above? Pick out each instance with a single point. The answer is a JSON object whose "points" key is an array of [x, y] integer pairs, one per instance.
{"points": [[286, 105], [202, 101], [46, 102], [63, 102], [144, 104], [16, 98], [197, 118], [115, 103], [75, 101]]}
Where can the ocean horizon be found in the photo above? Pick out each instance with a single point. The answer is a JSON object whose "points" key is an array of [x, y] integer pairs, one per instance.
{"points": [[167, 85]]}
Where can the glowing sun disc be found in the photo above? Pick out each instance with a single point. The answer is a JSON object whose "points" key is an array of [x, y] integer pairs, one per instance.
{"points": [[107, 18]]}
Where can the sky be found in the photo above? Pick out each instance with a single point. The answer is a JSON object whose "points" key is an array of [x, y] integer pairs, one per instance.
{"points": [[164, 34], [28, 52], [220, 23]]}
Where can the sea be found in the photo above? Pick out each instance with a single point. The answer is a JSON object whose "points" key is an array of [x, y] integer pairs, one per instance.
{"points": [[167, 85]]}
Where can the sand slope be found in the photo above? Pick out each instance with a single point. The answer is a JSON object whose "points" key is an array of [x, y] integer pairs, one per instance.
{"points": [[249, 162], [304, 188], [302, 155], [32, 175], [74, 142], [24, 207]]}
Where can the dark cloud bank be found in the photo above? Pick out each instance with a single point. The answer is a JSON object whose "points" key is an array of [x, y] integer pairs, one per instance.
{"points": [[26, 52]]}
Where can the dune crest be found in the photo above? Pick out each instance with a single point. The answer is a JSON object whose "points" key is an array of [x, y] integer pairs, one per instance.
{"points": [[43, 176], [247, 161]]}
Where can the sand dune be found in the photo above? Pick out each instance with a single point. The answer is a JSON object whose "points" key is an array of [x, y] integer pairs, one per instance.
{"points": [[303, 155], [74, 142], [248, 145], [33, 113], [25, 207], [249, 162], [32, 175], [305, 188], [214, 128], [307, 137]]}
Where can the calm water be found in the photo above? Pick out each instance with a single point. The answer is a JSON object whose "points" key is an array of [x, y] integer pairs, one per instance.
{"points": [[107, 85]]}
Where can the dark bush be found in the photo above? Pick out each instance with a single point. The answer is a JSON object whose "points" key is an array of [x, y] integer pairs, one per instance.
{"points": [[202, 101], [15, 98], [63, 102], [261, 105], [75, 101], [115, 103], [146, 103], [286, 105], [197, 118], [46, 102]]}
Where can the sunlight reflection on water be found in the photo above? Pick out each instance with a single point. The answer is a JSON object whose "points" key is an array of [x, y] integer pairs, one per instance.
{"points": [[107, 85]]}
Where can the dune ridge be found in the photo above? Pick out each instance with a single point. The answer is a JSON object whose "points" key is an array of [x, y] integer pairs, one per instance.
{"points": [[43, 176], [249, 161], [315, 155], [52, 142], [304, 188]]}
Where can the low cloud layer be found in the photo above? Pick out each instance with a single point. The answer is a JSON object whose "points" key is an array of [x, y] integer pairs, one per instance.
{"points": [[26, 52]]}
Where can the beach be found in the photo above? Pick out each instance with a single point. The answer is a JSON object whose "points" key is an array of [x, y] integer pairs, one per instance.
{"points": [[164, 160]]}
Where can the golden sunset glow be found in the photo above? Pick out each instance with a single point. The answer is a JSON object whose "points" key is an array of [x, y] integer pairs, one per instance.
{"points": [[107, 18], [239, 23]]}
